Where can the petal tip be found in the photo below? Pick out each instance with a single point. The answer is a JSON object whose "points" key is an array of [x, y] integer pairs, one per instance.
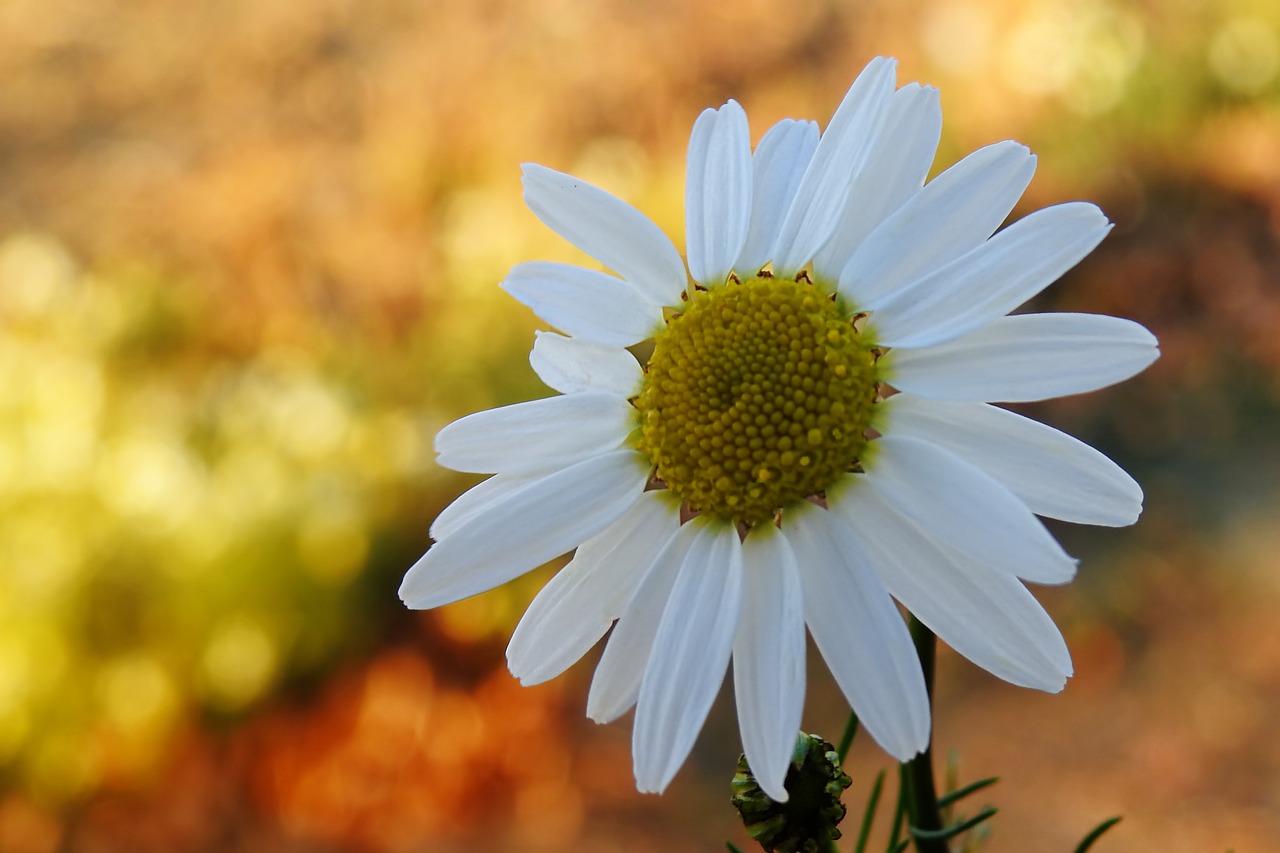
{"points": [[882, 61], [776, 791], [533, 172], [410, 597]]}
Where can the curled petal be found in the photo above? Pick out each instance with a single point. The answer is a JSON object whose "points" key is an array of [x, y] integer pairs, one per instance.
{"points": [[609, 230], [842, 150], [717, 192], [584, 303], [777, 166], [895, 170], [572, 365]]}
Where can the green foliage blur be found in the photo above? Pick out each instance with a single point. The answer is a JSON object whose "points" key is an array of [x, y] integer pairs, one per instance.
{"points": [[182, 531]]}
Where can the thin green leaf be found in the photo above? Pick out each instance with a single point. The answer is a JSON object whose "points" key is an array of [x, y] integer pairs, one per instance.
{"points": [[961, 793], [869, 814], [846, 739], [733, 848], [1097, 833], [901, 846], [899, 813], [955, 829]]}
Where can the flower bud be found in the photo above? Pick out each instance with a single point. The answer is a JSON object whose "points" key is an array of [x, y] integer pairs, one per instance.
{"points": [[807, 821]]}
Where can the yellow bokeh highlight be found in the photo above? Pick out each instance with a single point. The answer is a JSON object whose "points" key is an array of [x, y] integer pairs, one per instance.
{"points": [[248, 482], [391, 445], [137, 694], [1244, 54], [957, 36], [35, 272], [42, 555], [481, 617], [1084, 53], [238, 663], [151, 477]]}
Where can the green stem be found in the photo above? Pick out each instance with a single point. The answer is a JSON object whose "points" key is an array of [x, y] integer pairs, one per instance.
{"points": [[918, 790]]}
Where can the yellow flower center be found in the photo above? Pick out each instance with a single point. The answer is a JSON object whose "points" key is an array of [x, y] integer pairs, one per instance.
{"points": [[760, 394]]}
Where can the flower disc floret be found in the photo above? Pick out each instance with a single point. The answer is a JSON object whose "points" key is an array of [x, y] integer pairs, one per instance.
{"points": [[759, 394]]}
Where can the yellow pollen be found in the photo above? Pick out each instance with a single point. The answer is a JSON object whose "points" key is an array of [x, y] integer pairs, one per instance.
{"points": [[757, 396]]}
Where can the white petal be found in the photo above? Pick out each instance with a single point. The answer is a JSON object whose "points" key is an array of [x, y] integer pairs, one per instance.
{"points": [[841, 152], [1054, 474], [987, 616], [689, 658], [993, 279], [535, 435], [608, 229], [578, 605], [717, 192], [616, 684], [777, 167], [895, 170], [584, 303], [571, 365], [768, 658], [477, 500], [965, 509], [955, 212], [860, 634], [525, 529], [1027, 357]]}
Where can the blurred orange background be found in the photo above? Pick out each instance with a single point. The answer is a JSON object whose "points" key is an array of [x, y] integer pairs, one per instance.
{"points": [[249, 256]]}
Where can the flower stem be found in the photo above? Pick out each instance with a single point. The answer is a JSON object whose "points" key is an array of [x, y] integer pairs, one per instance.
{"points": [[918, 789]]}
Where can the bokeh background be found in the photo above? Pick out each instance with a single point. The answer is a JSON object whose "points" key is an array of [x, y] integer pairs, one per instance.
{"points": [[249, 255]]}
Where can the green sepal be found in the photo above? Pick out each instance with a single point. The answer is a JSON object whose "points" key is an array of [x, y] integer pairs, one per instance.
{"points": [[807, 822]]}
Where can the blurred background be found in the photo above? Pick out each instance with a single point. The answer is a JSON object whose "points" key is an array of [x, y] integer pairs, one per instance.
{"points": [[249, 255]]}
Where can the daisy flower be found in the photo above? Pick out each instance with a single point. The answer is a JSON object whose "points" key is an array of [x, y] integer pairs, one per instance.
{"points": [[810, 438]]}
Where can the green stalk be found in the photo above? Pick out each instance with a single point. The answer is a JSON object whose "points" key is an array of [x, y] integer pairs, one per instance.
{"points": [[918, 791]]}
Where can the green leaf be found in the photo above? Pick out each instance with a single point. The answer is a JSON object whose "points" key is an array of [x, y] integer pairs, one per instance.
{"points": [[955, 829], [869, 814], [961, 793], [733, 848], [846, 739], [1097, 833]]}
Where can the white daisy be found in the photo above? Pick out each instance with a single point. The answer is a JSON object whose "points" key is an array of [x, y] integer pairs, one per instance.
{"points": [[811, 438]]}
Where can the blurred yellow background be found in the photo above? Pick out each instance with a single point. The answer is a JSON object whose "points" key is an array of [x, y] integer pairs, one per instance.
{"points": [[249, 255]]}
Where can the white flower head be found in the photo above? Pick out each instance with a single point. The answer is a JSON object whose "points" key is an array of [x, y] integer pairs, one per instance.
{"points": [[811, 438]]}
